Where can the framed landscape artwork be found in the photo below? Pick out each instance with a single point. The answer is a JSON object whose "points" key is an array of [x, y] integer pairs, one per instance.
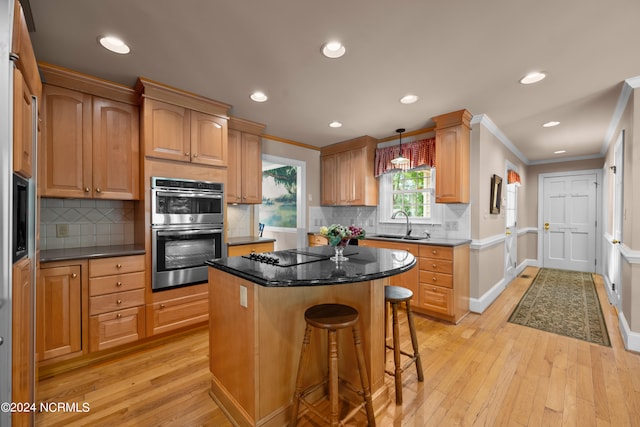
{"points": [[496, 194]]}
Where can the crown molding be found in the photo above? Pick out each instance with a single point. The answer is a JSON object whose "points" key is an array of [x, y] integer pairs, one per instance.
{"points": [[484, 120]]}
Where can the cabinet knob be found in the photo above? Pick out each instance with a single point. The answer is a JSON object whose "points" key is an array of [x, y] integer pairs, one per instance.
{"points": [[187, 154], [162, 306], [87, 189], [74, 275], [434, 289], [434, 279], [434, 265], [119, 302], [118, 265], [434, 252], [118, 284], [118, 316], [98, 190], [195, 154]]}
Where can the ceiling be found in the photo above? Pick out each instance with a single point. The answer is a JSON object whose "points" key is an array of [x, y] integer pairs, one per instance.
{"points": [[453, 54]]}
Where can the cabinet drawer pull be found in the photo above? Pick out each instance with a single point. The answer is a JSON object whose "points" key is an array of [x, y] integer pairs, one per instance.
{"points": [[118, 266], [434, 278], [118, 284], [435, 290], [195, 155], [186, 154], [87, 189], [162, 306], [118, 316], [98, 190], [434, 265], [74, 275], [119, 302], [434, 252]]}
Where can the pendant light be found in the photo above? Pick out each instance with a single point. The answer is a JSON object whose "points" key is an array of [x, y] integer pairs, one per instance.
{"points": [[400, 160]]}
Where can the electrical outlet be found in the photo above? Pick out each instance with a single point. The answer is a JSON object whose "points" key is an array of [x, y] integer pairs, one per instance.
{"points": [[243, 296], [62, 230]]}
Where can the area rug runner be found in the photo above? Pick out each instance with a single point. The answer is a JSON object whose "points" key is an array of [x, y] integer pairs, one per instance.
{"points": [[565, 303]]}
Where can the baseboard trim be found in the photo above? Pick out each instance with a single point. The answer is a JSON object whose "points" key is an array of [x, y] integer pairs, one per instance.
{"points": [[631, 339], [479, 305]]}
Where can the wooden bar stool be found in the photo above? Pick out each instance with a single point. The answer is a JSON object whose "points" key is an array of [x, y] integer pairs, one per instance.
{"points": [[332, 317], [395, 295]]}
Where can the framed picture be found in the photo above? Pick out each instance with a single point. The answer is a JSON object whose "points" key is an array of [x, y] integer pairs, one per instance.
{"points": [[496, 194]]}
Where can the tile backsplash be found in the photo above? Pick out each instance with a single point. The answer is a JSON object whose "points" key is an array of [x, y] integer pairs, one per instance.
{"points": [[73, 223]]}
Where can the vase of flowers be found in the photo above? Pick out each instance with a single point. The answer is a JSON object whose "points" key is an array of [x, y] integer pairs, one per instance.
{"points": [[339, 236]]}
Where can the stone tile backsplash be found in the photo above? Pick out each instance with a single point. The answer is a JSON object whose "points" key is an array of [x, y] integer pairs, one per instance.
{"points": [[73, 223]]}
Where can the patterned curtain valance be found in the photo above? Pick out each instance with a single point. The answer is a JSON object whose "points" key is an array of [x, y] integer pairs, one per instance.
{"points": [[513, 177], [419, 153]]}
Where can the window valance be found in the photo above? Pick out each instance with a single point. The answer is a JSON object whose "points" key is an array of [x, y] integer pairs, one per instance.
{"points": [[513, 177], [419, 153]]}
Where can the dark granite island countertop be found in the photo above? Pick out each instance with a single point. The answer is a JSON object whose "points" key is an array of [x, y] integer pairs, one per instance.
{"points": [[365, 263], [256, 325]]}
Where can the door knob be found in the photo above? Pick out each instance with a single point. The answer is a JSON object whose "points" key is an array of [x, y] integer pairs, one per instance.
{"points": [[615, 242], [546, 225]]}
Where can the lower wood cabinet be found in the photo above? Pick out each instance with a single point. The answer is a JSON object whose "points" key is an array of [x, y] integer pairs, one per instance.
{"points": [[178, 308], [22, 369], [116, 301], [317, 240], [61, 311], [246, 249]]}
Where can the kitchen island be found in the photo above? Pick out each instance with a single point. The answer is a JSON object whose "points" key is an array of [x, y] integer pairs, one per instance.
{"points": [[256, 324]]}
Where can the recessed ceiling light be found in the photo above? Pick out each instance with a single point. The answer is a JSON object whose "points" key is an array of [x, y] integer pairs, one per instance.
{"points": [[409, 99], [259, 96], [114, 44], [550, 124], [533, 77], [335, 124], [560, 152], [333, 49]]}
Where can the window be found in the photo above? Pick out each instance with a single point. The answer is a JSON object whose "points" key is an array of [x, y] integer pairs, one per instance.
{"points": [[511, 204], [411, 191]]}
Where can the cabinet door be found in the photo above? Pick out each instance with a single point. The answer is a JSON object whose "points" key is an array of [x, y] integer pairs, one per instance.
{"points": [[67, 143], [22, 126], [345, 183], [23, 369], [251, 168], [357, 171], [329, 182], [239, 250], [233, 189], [115, 150], [452, 165], [166, 132], [59, 312], [208, 139]]}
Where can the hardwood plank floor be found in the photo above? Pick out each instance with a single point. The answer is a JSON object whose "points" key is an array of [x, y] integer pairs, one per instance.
{"points": [[482, 372]]}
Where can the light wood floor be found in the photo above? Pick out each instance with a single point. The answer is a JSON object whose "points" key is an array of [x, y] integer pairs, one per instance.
{"points": [[481, 372]]}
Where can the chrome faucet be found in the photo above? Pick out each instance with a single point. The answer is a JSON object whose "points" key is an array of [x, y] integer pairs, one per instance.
{"points": [[396, 213]]}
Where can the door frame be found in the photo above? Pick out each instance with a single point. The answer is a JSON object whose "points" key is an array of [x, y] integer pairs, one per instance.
{"points": [[598, 234], [510, 272]]}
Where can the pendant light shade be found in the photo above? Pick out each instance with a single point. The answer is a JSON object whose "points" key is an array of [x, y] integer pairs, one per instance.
{"points": [[400, 160]]}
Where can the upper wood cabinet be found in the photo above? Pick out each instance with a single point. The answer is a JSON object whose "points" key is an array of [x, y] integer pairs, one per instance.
{"points": [[244, 175], [180, 126], [23, 126], [452, 157], [90, 143], [347, 170]]}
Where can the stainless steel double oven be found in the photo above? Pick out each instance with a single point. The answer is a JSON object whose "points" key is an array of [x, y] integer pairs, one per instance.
{"points": [[187, 223]]}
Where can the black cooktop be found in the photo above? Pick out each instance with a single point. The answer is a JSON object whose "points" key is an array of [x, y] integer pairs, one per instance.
{"points": [[286, 258]]}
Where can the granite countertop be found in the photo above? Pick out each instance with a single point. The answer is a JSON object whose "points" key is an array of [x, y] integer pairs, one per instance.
{"points": [[430, 241], [364, 264], [247, 240], [90, 252]]}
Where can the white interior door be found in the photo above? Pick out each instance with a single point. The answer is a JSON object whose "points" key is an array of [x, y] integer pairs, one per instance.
{"points": [[511, 232], [569, 221], [618, 209]]}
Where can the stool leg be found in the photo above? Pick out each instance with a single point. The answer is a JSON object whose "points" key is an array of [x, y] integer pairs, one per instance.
{"points": [[396, 352], [332, 346], [304, 359], [414, 342], [364, 378]]}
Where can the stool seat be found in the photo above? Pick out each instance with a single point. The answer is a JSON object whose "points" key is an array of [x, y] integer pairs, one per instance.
{"points": [[397, 294], [331, 316]]}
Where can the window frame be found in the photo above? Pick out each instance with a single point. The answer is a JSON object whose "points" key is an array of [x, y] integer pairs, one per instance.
{"points": [[385, 203]]}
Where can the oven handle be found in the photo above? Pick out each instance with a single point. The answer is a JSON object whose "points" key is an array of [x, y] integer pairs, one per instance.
{"points": [[189, 232], [182, 193]]}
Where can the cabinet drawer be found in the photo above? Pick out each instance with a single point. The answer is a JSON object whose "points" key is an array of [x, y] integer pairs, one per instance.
{"points": [[116, 265], [439, 279], [436, 265], [117, 301], [317, 240], [117, 283], [441, 252], [176, 313], [238, 250], [116, 328], [436, 299]]}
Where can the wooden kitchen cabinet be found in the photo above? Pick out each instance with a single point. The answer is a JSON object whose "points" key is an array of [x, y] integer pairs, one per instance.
{"points": [[408, 279], [61, 311], [181, 126], [319, 240], [23, 126], [116, 301], [347, 170], [452, 157], [90, 143], [444, 281], [244, 175], [177, 308], [246, 249], [23, 369]]}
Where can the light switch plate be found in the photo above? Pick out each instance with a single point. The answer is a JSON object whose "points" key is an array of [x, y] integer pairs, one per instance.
{"points": [[243, 296]]}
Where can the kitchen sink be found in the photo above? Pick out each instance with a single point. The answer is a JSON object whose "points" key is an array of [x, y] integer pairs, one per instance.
{"points": [[398, 236]]}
